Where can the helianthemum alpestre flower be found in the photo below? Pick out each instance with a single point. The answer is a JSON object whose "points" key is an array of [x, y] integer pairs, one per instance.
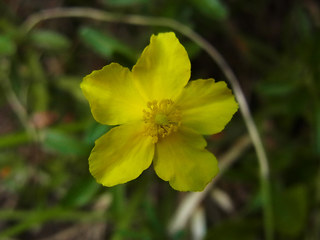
{"points": [[161, 118]]}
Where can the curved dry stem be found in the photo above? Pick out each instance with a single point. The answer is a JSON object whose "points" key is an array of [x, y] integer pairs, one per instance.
{"points": [[33, 20]]}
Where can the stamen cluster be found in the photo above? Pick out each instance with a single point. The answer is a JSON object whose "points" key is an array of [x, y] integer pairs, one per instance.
{"points": [[161, 119]]}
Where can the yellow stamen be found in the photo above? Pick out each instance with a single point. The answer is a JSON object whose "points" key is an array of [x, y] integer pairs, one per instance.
{"points": [[161, 119]]}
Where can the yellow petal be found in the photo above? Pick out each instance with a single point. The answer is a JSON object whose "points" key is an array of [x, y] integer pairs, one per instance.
{"points": [[207, 106], [121, 155], [163, 68], [112, 96], [182, 160]]}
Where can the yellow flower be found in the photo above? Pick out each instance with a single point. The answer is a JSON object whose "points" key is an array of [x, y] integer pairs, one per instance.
{"points": [[161, 118]]}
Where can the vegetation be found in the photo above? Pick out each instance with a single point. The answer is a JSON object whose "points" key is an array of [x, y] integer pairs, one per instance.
{"points": [[47, 130]]}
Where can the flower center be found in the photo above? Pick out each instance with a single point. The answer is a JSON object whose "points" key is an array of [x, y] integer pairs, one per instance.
{"points": [[161, 119]]}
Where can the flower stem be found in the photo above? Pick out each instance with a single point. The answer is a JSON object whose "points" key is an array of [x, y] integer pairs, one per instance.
{"points": [[99, 15]]}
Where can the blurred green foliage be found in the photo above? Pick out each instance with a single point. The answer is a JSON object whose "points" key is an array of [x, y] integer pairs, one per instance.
{"points": [[45, 186], [105, 45], [49, 40]]}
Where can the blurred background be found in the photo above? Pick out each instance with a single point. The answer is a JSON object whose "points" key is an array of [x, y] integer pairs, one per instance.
{"points": [[47, 130]]}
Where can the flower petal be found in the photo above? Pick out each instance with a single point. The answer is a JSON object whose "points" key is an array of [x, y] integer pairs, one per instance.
{"points": [[121, 155], [207, 106], [182, 160], [163, 68], [112, 96]]}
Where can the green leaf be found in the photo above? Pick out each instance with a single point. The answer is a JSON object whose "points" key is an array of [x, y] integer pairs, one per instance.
{"points": [[81, 193], [7, 46], [71, 84], [290, 210], [49, 40], [95, 131], [214, 9], [192, 49], [13, 139], [65, 144], [276, 88], [105, 45]]}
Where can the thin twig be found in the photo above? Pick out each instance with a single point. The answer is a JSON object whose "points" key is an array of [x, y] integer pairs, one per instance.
{"points": [[36, 18]]}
